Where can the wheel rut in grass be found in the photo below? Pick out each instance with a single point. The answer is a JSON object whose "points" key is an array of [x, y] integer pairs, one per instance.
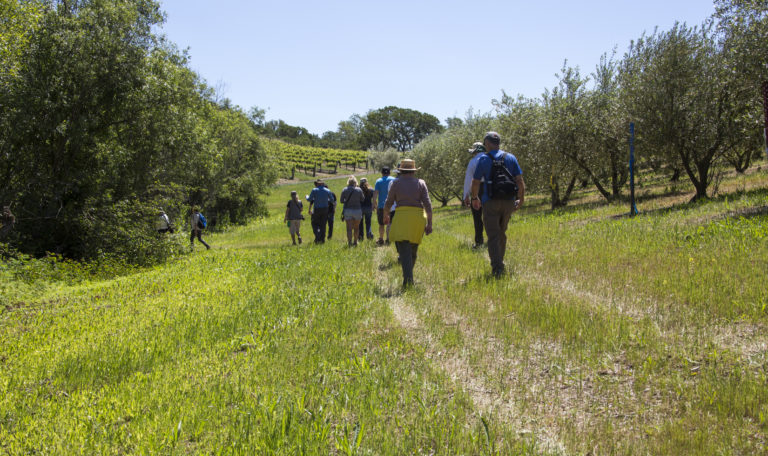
{"points": [[746, 339], [489, 400]]}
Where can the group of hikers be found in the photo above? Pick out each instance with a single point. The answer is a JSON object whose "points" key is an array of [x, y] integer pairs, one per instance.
{"points": [[197, 223], [493, 189]]}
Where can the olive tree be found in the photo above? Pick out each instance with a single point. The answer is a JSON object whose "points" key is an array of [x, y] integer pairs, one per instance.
{"points": [[678, 90]]}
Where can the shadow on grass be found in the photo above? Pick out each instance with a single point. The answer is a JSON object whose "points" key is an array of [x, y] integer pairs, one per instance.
{"points": [[747, 212]]}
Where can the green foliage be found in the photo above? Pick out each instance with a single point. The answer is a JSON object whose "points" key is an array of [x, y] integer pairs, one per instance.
{"points": [[383, 156], [104, 115], [399, 128], [444, 157], [311, 159], [678, 90], [18, 21]]}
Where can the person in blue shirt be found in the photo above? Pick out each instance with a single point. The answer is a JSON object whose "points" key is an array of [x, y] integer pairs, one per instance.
{"points": [[380, 191], [321, 198], [496, 211]]}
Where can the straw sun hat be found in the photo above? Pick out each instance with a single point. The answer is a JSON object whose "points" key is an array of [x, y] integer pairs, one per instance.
{"points": [[407, 165]]}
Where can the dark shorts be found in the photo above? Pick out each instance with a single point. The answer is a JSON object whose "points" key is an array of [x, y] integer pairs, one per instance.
{"points": [[380, 216]]}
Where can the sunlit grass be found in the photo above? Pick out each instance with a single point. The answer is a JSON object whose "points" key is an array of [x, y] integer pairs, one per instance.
{"points": [[610, 334]]}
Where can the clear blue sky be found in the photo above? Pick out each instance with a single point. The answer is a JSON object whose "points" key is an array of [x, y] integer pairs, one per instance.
{"points": [[315, 63]]}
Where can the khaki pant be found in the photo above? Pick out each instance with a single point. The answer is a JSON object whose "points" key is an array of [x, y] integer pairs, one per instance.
{"points": [[496, 215], [295, 225]]}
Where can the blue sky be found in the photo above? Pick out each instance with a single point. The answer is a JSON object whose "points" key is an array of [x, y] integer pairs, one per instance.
{"points": [[315, 63]]}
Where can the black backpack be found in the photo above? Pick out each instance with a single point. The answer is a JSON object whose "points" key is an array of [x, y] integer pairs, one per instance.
{"points": [[502, 184]]}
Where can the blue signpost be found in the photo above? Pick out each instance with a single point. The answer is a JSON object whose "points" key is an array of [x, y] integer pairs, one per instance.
{"points": [[765, 115], [633, 208]]}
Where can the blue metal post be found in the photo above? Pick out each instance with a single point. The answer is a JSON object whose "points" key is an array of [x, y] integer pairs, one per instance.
{"points": [[633, 207]]}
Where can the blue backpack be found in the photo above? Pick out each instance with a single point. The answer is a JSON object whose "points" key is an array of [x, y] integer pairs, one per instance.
{"points": [[202, 222]]}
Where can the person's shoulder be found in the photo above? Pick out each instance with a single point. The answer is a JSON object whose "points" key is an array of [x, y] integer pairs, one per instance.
{"points": [[510, 156]]}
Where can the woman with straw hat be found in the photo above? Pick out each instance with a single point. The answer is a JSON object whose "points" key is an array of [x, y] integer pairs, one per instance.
{"points": [[414, 216]]}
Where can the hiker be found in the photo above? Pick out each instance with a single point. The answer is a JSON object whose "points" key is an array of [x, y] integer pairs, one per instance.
{"points": [[476, 151], [7, 221], [293, 216], [197, 223], [367, 207], [331, 212], [321, 198], [414, 216], [163, 224], [503, 192], [380, 191], [352, 198]]}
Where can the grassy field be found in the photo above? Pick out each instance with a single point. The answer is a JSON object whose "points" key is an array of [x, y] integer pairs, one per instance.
{"points": [[610, 335]]}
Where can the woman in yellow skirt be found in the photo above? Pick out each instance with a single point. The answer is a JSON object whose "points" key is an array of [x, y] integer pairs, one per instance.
{"points": [[414, 216]]}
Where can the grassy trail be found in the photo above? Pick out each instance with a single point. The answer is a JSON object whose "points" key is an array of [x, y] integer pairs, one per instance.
{"points": [[610, 335]]}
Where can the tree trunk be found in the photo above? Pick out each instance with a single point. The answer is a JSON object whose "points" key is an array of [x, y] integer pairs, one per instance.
{"points": [[675, 175]]}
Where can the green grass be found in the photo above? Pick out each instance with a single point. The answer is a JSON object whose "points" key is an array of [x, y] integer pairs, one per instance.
{"points": [[610, 334]]}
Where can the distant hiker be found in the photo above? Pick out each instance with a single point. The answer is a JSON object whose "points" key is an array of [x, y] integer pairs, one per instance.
{"points": [[503, 192], [414, 216], [331, 212], [367, 207], [7, 221], [321, 198], [476, 151], [197, 223], [294, 217], [352, 198], [380, 192], [163, 224]]}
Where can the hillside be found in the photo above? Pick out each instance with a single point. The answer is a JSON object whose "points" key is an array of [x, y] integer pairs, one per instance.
{"points": [[644, 335]]}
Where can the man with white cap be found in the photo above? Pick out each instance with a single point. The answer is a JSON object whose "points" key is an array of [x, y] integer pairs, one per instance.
{"points": [[476, 151]]}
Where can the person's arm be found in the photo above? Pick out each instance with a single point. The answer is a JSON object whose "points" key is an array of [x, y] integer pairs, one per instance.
{"points": [[375, 199], [468, 180], [427, 203], [475, 194], [287, 211], [390, 201], [520, 191]]}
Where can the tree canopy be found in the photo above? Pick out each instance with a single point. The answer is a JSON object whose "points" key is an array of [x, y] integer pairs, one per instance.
{"points": [[102, 123]]}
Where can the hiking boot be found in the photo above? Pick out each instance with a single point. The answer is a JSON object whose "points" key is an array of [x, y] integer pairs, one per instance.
{"points": [[299, 239], [380, 241]]}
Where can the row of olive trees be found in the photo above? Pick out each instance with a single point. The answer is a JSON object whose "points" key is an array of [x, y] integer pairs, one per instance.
{"points": [[102, 122], [692, 92]]}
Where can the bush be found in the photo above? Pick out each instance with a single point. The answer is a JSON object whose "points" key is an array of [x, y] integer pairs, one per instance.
{"points": [[380, 157], [126, 230]]}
